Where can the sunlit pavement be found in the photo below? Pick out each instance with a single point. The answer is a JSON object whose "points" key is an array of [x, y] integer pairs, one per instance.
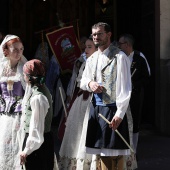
{"points": [[153, 149]]}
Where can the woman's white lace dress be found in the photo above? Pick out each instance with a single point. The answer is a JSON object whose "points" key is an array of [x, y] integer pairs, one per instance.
{"points": [[11, 94], [73, 133]]}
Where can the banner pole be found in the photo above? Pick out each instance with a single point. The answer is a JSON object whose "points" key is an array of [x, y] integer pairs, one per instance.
{"points": [[78, 33]]}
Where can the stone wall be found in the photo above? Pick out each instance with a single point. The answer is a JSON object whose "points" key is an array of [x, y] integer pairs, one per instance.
{"points": [[163, 117]]}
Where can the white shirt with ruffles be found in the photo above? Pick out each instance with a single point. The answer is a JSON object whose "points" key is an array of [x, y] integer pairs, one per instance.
{"points": [[39, 105]]}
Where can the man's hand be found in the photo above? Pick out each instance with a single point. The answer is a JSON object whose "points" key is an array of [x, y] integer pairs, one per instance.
{"points": [[22, 158], [95, 87], [115, 122]]}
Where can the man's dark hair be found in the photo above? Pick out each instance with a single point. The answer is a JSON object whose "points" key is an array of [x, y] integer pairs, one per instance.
{"points": [[106, 26], [128, 38]]}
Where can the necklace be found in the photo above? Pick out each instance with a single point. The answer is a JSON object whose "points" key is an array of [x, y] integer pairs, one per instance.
{"points": [[10, 85], [9, 72]]}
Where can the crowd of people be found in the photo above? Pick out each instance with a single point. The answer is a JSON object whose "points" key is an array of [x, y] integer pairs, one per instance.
{"points": [[104, 101]]}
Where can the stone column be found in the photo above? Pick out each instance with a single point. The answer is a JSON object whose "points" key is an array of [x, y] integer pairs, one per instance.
{"points": [[163, 111]]}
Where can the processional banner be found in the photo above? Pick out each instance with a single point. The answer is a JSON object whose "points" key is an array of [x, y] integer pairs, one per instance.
{"points": [[65, 47]]}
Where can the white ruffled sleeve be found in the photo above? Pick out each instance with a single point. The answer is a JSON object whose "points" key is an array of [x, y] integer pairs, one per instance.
{"points": [[39, 106], [86, 76], [123, 84]]}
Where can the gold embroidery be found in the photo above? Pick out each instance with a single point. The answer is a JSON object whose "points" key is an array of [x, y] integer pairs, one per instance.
{"points": [[10, 85]]}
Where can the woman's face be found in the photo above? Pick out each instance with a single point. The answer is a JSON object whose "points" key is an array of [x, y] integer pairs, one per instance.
{"points": [[90, 48], [15, 51]]}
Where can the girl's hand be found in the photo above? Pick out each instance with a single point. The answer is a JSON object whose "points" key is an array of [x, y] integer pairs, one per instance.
{"points": [[23, 158]]}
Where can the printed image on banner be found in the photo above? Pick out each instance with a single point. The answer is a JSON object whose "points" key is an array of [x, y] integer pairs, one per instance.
{"points": [[64, 44]]}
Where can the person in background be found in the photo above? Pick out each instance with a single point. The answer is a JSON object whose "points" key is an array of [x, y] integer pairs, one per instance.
{"points": [[74, 124], [38, 146], [12, 87], [2, 35], [71, 88], [107, 76], [83, 40], [140, 71]]}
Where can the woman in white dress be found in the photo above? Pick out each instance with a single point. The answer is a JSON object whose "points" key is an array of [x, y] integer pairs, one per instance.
{"points": [[12, 87], [74, 124]]}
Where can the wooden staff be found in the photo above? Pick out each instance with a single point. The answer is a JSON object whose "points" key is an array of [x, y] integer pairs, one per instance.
{"points": [[117, 132], [24, 167], [133, 72], [63, 101], [54, 27], [43, 48], [78, 32]]}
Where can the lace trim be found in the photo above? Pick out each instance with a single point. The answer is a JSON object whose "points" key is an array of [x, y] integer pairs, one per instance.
{"points": [[15, 78], [10, 114]]}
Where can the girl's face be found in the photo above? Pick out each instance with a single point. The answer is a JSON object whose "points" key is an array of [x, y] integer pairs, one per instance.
{"points": [[90, 48], [15, 51]]}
